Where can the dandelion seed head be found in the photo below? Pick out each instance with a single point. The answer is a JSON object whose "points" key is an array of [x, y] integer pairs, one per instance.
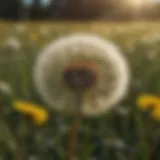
{"points": [[112, 74]]}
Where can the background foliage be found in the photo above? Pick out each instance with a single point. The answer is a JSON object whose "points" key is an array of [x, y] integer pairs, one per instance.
{"points": [[78, 10], [125, 133]]}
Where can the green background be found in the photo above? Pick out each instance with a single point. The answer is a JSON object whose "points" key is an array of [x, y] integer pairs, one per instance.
{"points": [[124, 133]]}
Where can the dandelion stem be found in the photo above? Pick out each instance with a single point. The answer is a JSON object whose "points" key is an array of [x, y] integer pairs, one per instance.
{"points": [[74, 129], [23, 134]]}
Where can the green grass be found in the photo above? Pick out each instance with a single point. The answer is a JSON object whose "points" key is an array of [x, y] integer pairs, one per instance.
{"points": [[125, 133]]}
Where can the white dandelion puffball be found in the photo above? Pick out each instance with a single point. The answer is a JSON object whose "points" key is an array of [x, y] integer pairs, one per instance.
{"points": [[111, 70]]}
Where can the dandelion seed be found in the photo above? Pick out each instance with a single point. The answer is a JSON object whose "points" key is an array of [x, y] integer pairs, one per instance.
{"points": [[84, 61], [37, 113]]}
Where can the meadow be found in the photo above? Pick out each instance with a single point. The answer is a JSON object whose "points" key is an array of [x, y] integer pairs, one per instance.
{"points": [[125, 133]]}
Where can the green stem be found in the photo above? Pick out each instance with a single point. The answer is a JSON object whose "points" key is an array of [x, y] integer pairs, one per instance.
{"points": [[23, 134], [143, 137], [74, 129]]}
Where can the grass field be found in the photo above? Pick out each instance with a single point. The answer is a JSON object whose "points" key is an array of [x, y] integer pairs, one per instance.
{"points": [[125, 133]]}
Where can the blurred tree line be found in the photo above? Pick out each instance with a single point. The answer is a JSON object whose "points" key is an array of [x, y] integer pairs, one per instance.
{"points": [[68, 9]]}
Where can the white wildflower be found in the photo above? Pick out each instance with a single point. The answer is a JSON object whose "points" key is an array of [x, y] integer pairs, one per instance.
{"points": [[5, 87], [122, 110], [112, 76], [115, 143], [12, 43]]}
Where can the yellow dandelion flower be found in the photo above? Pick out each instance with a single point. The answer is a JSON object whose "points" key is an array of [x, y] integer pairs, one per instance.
{"points": [[156, 113], [148, 101], [38, 114], [33, 37]]}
